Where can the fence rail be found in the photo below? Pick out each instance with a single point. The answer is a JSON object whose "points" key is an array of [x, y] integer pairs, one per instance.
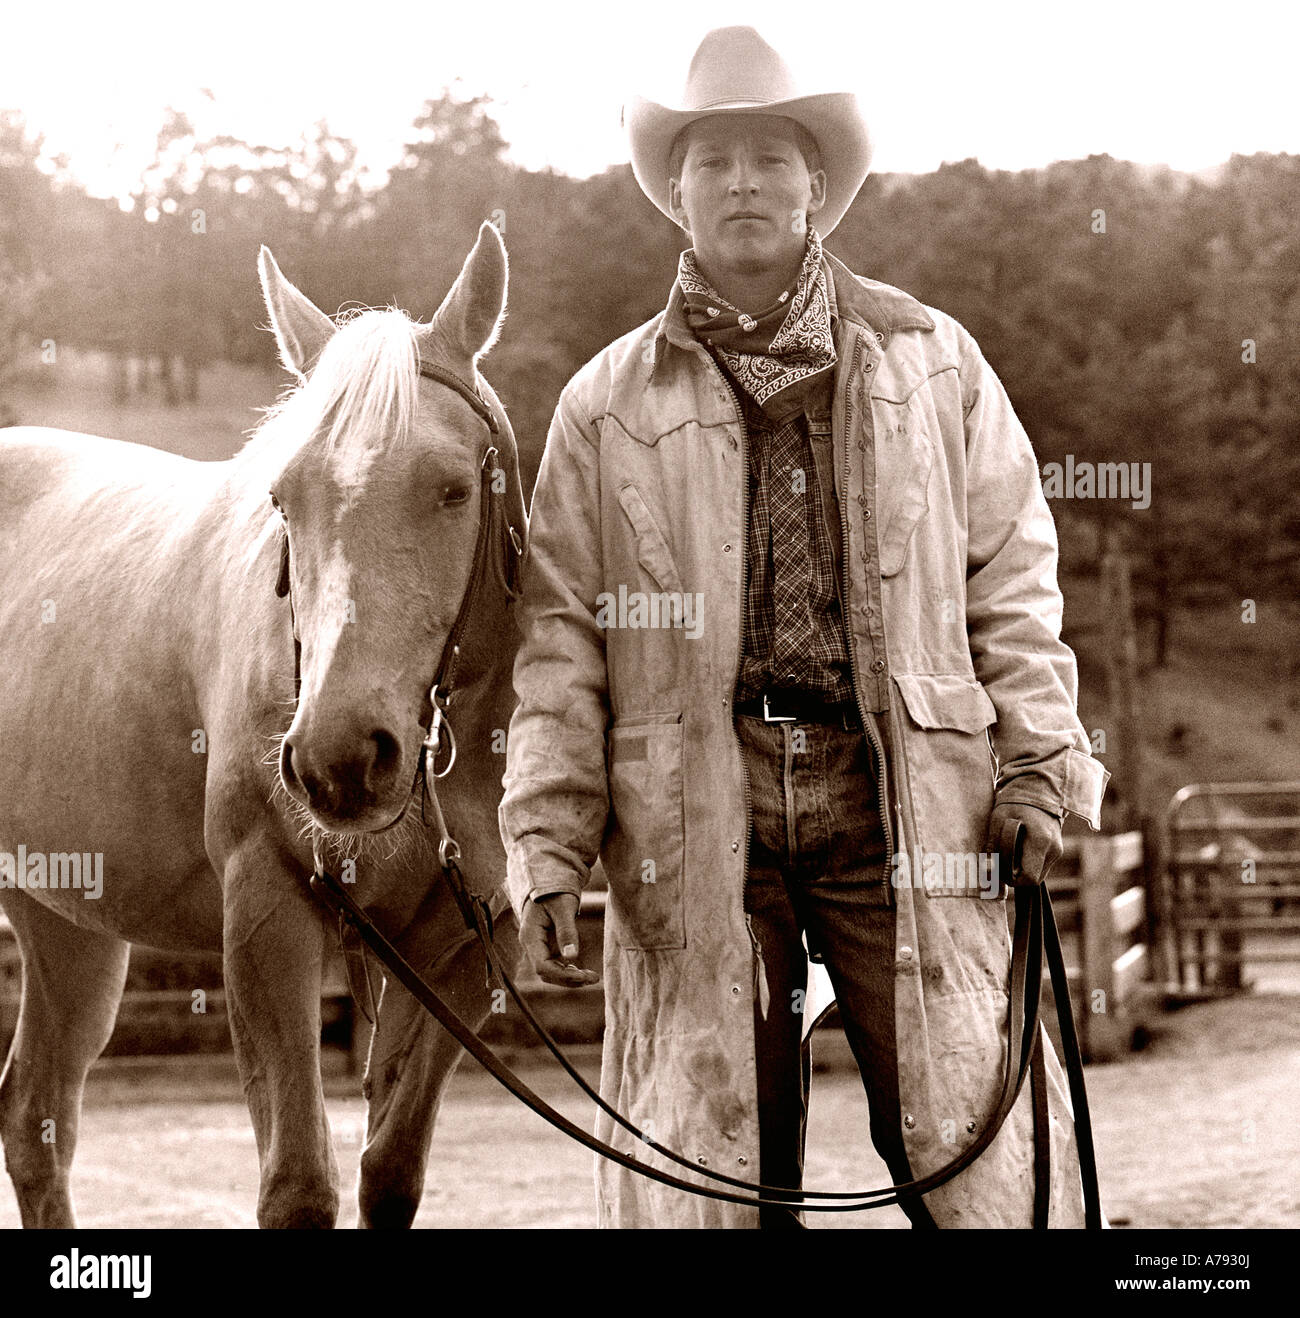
{"points": [[1229, 879]]}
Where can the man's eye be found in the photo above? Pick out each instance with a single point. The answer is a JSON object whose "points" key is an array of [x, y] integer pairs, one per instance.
{"points": [[454, 494]]}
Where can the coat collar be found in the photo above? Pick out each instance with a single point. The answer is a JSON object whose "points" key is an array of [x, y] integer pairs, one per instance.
{"points": [[881, 309]]}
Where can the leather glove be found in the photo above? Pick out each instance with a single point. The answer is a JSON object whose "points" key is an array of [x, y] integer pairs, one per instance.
{"points": [[1040, 850]]}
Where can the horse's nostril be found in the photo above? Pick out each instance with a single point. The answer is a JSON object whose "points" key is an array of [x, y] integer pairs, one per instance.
{"points": [[388, 753], [287, 770]]}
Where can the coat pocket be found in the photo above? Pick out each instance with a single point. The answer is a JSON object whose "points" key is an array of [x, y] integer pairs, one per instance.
{"points": [[645, 839], [652, 550], [951, 772], [904, 460]]}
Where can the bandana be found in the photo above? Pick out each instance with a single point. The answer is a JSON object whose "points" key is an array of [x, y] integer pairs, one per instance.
{"points": [[778, 355]]}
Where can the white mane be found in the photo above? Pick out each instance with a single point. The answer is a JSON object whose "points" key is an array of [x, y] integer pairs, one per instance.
{"points": [[361, 393]]}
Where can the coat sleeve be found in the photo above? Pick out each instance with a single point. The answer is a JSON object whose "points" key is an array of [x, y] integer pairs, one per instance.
{"points": [[1014, 609], [556, 800]]}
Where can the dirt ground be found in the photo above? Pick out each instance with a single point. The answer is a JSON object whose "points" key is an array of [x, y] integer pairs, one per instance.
{"points": [[1197, 1130]]}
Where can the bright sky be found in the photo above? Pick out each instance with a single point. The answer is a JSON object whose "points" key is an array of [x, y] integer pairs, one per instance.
{"points": [[1013, 84]]}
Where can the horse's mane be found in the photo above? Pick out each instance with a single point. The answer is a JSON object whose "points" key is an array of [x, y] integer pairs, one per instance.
{"points": [[364, 385]]}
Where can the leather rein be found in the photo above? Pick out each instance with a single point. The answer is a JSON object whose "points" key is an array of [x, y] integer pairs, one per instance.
{"points": [[1035, 934]]}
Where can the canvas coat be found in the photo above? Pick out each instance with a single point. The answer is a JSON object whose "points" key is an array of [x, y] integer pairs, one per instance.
{"points": [[623, 744]]}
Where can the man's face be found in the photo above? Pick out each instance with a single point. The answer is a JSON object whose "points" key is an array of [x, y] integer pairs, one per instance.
{"points": [[745, 194]]}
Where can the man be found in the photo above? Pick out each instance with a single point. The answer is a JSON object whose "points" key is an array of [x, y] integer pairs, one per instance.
{"points": [[790, 563]]}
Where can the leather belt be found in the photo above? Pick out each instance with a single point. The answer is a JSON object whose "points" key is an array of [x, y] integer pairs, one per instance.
{"points": [[799, 707]]}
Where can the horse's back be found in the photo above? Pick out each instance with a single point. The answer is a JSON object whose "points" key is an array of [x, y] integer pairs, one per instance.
{"points": [[38, 462]]}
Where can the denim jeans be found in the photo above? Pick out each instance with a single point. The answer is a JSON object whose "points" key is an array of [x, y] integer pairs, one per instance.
{"points": [[817, 857]]}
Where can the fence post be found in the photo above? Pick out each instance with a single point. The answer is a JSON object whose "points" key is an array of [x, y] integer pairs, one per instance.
{"points": [[1101, 1028]]}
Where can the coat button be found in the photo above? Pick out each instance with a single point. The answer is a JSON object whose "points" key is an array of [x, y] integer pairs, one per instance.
{"points": [[869, 366], [704, 1162], [866, 514], [880, 338], [877, 665], [904, 953], [909, 1121], [735, 846], [726, 549], [735, 990], [743, 1161], [970, 1127]]}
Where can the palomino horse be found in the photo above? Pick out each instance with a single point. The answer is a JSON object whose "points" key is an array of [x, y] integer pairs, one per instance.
{"points": [[146, 681]]}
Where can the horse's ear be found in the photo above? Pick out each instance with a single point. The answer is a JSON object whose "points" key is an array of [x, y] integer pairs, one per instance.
{"points": [[301, 328], [470, 317]]}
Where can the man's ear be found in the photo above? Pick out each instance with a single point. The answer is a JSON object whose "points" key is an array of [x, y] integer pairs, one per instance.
{"points": [[301, 329], [817, 184], [675, 205]]}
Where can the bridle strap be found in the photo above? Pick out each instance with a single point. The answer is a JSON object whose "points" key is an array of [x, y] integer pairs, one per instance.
{"points": [[490, 520], [432, 371]]}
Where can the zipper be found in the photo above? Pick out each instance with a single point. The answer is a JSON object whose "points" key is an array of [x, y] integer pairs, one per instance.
{"points": [[761, 989], [868, 720]]}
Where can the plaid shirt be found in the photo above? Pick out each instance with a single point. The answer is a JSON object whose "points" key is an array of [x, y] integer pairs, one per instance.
{"points": [[793, 635]]}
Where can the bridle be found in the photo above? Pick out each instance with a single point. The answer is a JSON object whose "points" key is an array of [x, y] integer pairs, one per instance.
{"points": [[1035, 933]]}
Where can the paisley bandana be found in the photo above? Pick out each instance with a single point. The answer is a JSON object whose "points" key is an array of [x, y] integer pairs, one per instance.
{"points": [[777, 355]]}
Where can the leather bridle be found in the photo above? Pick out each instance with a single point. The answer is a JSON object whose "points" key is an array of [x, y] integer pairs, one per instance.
{"points": [[1035, 933]]}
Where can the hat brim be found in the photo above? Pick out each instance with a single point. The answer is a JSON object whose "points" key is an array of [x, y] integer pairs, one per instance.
{"points": [[833, 118]]}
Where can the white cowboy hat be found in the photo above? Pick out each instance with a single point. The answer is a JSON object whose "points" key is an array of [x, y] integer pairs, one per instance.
{"points": [[736, 72]]}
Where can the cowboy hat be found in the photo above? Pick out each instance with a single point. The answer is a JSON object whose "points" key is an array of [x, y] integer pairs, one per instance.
{"points": [[736, 72]]}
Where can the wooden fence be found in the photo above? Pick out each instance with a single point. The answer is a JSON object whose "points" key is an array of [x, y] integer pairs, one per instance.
{"points": [[1098, 891]]}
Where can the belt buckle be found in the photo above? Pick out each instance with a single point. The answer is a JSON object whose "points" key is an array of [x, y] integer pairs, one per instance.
{"points": [[769, 717]]}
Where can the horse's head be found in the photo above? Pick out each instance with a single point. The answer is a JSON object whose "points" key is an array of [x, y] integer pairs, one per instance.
{"points": [[381, 503]]}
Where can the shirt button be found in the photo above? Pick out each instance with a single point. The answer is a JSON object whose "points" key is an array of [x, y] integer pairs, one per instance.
{"points": [[880, 338], [735, 846], [909, 1121], [877, 665], [743, 1161], [970, 1127], [704, 1162], [869, 366], [866, 514], [904, 953], [726, 549], [735, 990]]}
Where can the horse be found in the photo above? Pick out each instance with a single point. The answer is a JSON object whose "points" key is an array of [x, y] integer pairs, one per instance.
{"points": [[150, 730]]}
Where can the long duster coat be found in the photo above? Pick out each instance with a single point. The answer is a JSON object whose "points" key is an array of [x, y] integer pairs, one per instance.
{"points": [[623, 744]]}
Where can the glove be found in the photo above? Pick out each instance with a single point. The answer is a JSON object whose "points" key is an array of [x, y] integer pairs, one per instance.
{"points": [[1041, 847]]}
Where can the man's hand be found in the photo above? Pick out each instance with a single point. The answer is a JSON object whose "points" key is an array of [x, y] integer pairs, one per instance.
{"points": [[548, 933], [1042, 845]]}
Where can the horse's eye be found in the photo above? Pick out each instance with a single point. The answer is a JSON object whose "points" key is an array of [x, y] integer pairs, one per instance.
{"points": [[454, 494], [275, 503]]}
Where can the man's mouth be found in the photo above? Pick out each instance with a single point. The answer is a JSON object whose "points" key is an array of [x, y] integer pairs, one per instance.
{"points": [[747, 215]]}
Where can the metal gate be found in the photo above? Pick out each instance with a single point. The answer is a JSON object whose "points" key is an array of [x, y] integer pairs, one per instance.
{"points": [[1228, 885]]}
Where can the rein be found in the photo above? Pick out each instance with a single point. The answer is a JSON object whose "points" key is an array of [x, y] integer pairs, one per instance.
{"points": [[1035, 934]]}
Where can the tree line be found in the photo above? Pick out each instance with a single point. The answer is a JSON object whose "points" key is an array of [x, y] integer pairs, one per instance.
{"points": [[1136, 315]]}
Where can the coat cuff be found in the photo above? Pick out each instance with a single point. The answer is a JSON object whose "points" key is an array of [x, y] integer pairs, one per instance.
{"points": [[533, 870], [1069, 782]]}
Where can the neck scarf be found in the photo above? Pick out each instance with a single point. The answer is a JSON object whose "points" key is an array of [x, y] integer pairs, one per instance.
{"points": [[778, 355]]}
